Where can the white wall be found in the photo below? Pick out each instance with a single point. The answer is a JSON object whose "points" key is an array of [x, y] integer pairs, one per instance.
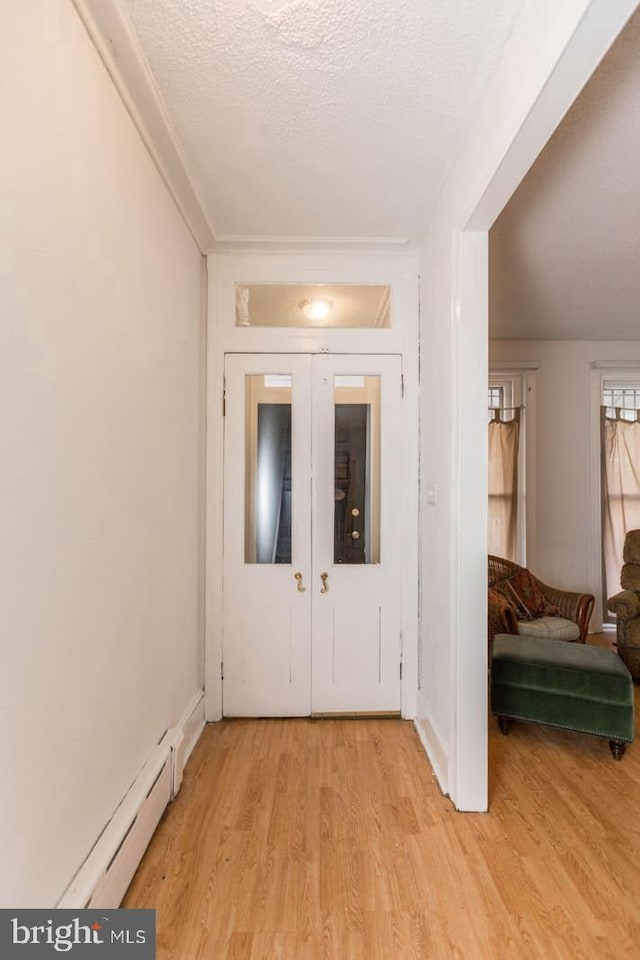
{"points": [[561, 539], [553, 50], [100, 347]]}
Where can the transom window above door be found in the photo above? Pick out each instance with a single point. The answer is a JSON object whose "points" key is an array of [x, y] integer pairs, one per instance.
{"points": [[324, 305]]}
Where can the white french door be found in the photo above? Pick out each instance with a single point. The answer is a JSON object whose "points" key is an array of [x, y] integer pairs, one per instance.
{"points": [[312, 605]]}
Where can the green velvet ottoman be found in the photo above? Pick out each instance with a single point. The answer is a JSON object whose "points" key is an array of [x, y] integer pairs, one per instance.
{"points": [[566, 685]]}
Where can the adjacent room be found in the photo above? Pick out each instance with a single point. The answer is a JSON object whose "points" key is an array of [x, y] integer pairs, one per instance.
{"points": [[565, 337]]}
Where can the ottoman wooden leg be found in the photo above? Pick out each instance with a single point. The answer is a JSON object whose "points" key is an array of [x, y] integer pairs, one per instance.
{"points": [[505, 725], [617, 748]]}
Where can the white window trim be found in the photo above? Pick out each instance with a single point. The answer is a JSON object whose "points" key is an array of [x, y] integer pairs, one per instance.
{"points": [[508, 389]]}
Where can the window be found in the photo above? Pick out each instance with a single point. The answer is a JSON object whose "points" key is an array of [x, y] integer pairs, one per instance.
{"points": [[501, 394], [624, 398], [620, 438], [496, 397], [507, 463]]}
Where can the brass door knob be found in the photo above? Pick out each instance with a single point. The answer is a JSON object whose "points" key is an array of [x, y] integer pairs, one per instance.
{"points": [[325, 583], [355, 535], [298, 577]]}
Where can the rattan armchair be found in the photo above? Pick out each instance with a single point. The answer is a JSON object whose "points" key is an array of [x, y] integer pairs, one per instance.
{"points": [[574, 607]]}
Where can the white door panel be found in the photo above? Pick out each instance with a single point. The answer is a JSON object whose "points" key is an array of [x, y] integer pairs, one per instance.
{"points": [[356, 653], [266, 618], [356, 624]]}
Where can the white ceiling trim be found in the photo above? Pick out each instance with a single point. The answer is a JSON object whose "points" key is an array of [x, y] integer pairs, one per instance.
{"points": [[615, 364], [501, 366], [317, 241], [113, 36], [310, 246]]}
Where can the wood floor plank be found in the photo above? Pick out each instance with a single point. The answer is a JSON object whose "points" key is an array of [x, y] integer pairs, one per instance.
{"points": [[330, 840]]}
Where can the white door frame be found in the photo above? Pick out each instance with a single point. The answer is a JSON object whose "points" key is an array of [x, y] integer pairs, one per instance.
{"points": [[225, 270]]}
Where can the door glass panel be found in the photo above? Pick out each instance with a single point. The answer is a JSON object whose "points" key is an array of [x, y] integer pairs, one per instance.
{"points": [[356, 537], [267, 525]]}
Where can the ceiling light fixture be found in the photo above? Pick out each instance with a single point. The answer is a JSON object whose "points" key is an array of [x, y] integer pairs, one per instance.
{"points": [[316, 309]]}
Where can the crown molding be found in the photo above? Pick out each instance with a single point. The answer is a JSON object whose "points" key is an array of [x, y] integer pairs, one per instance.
{"points": [[233, 239], [615, 364], [113, 36], [347, 246], [513, 366]]}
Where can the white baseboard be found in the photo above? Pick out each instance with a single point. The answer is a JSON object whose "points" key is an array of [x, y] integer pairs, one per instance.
{"points": [[435, 751], [104, 877], [184, 736]]}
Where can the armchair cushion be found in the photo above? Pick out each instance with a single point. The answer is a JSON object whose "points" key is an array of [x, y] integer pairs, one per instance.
{"points": [[550, 628]]}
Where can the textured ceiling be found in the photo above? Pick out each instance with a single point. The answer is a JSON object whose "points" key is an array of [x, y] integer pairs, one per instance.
{"points": [[564, 255], [321, 118]]}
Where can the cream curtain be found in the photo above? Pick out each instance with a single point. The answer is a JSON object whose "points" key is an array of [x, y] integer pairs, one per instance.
{"points": [[620, 491], [503, 485]]}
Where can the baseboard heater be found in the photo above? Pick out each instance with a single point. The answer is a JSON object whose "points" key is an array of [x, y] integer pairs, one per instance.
{"points": [[103, 879]]}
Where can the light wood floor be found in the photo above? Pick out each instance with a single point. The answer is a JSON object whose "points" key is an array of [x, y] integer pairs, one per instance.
{"points": [[303, 839]]}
